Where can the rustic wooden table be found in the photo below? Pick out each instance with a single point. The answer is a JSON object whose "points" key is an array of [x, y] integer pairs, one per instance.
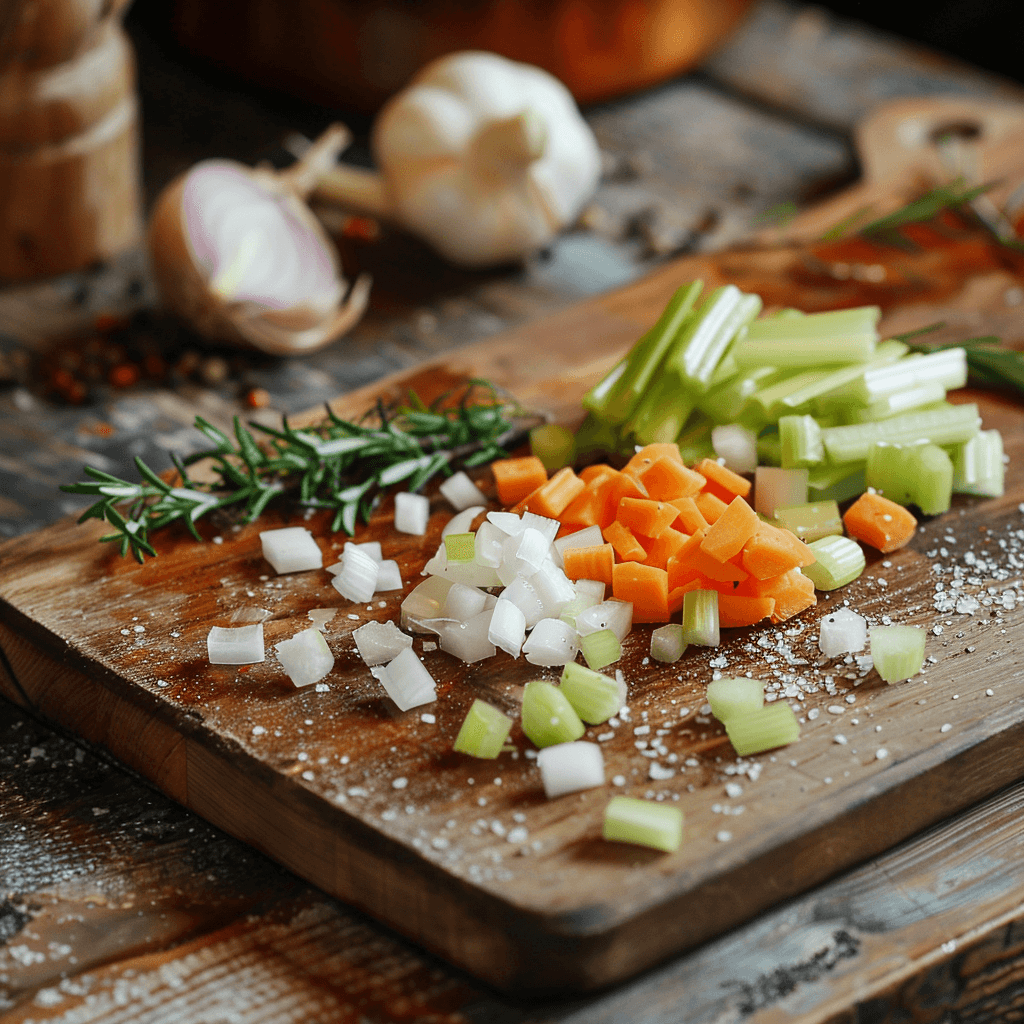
{"points": [[116, 904]]}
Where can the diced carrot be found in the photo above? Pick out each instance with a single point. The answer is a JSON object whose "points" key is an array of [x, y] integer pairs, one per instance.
{"points": [[586, 509], [690, 518], [666, 479], [626, 546], [722, 482], [710, 506], [879, 522], [615, 489], [736, 610], [594, 472], [661, 548], [649, 454], [590, 563], [773, 551], [642, 515], [645, 586], [689, 562], [516, 478], [792, 591], [730, 531], [554, 495]]}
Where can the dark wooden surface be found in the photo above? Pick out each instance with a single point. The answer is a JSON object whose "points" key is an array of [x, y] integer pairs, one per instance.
{"points": [[170, 920]]}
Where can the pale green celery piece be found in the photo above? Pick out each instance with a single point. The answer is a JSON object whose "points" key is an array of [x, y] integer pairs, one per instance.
{"points": [[888, 472], [776, 488], [594, 400], [553, 444], [724, 371], [947, 368], [700, 618], [886, 352], [723, 314], [483, 731], [841, 336], [460, 547], [836, 483], [646, 357], [732, 696], [548, 717], [661, 413], [772, 726], [643, 823], [600, 649], [839, 561], [722, 402], [800, 442], [573, 608], [594, 435], [897, 651], [695, 440], [594, 696], [773, 396], [952, 425], [667, 643], [978, 466], [812, 521], [898, 402], [917, 474], [769, 449]]}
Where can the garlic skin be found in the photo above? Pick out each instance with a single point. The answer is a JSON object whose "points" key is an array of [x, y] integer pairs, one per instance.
{"points": [[484, 158], [236, 253]]}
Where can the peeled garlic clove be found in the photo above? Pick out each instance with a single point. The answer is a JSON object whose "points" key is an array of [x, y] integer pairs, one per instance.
{"points": [[238, 254]]}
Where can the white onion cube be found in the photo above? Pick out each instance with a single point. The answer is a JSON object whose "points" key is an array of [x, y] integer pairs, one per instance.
{"points": [[236, 645], [380, 642], [588, 537], [462, 492], [737, 445], [357, 580], [553, 588], [548, 528], [488, 545], [306, 658], [842, 632], [463, 602], [368, 547], [411, 513], [467, 641], [570, 767], [521, 593], [612, 614], [389, 576], [507, 628], [425, 600], [590, 589], [407, 681], [552, 642], [291, 549], [508, 522]]}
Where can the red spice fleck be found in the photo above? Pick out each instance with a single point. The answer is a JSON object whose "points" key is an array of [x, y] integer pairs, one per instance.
{"points": [[257, 398]]}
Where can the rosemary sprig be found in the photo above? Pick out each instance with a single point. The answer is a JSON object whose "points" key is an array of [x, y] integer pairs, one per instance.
{"points": [[336, 465]]}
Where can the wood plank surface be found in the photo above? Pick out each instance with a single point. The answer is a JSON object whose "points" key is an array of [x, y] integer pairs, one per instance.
{"points": [[569, 912]]}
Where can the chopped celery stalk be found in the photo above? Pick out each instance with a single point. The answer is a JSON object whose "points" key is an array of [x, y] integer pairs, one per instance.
{"points": [[483, 731], [888, 471], [594, 696], [841, 336], [812, 521], [661, 413], [553, 444], [800, 442], [595, 435], [839, 561], [733, 696], [887, 352], [600, 649], [897, 651], [643, 823], [947, 369], [722, 314], [776, 488], [700, 618], [933, 479], [769, 449], [899, 402], [978, 465], [919, 474], [548, 717], [772, 726], [721, 402], [726, 370], [460, 547], [667, 643], [596, 398], [952, 425], [647, 355], [835, 483], [772, 397]]}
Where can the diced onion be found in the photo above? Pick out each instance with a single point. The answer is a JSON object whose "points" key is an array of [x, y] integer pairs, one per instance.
{"points": [[463, 602], [291, 549], [462, 492], [467, 640], [552, 642], [737, 445], [306, 658], [507, 628], [570, 767], [406, 680], [380, 642], [461, 523], [842, 632], [425, 600], [389, 576], [357, 580], [238, 645], [412, 511], [615, 615], [368, 547]]}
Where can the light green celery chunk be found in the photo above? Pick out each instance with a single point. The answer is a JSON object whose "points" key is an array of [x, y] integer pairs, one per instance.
{"points": [[776, 488], [661, 413], [483, 731], [731, 696], [769, 727], [888, 471], [643, 823], [769, 449], [594, 696], [600, 649], [548, 717], [933, 482], [772, 398], [835, 483], [812, 521], [978, 466], [899, 402], [952, 425], [705, 340], [700, 618], [595, 435], [897, 651], [841, 336], [667, 643], [722, 403], [460, 547], [800, 443], [553, 444], [839, 561], [695, 441], [886, 352], [919, 474], [946, 368], [596, 398], [726, 370]]}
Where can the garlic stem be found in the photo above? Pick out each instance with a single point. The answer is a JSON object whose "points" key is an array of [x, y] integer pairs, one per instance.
{"points": [[322, 155], [355, 189]]}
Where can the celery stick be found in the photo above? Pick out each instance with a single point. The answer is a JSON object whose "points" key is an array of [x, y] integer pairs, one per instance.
{"points": [[700, 618], [835, 483], [952, 425], [460, 547], [888, 471], [800, 442], [483, 731], [811, 521], [595, 435], [769, 449], [548, 717], [597, 397], [946, 368], [919, 474], [709, 334], [887, 352], [667, 643], [695, 440], [841, 336], [643, 823], [661, 413], [594, 696], [978, 465], [732, 696], [839, 561], [897, 651], [773, 398], [911, 399], [721, 403], [554, 445], [600, 649], [769, 727]]}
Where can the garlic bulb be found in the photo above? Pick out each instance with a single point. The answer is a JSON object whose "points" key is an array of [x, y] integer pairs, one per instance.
{"points": [[236, 252], [484, 158]]}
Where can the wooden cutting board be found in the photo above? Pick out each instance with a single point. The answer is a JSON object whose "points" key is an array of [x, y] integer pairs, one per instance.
{"points": [[467, 857]]}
